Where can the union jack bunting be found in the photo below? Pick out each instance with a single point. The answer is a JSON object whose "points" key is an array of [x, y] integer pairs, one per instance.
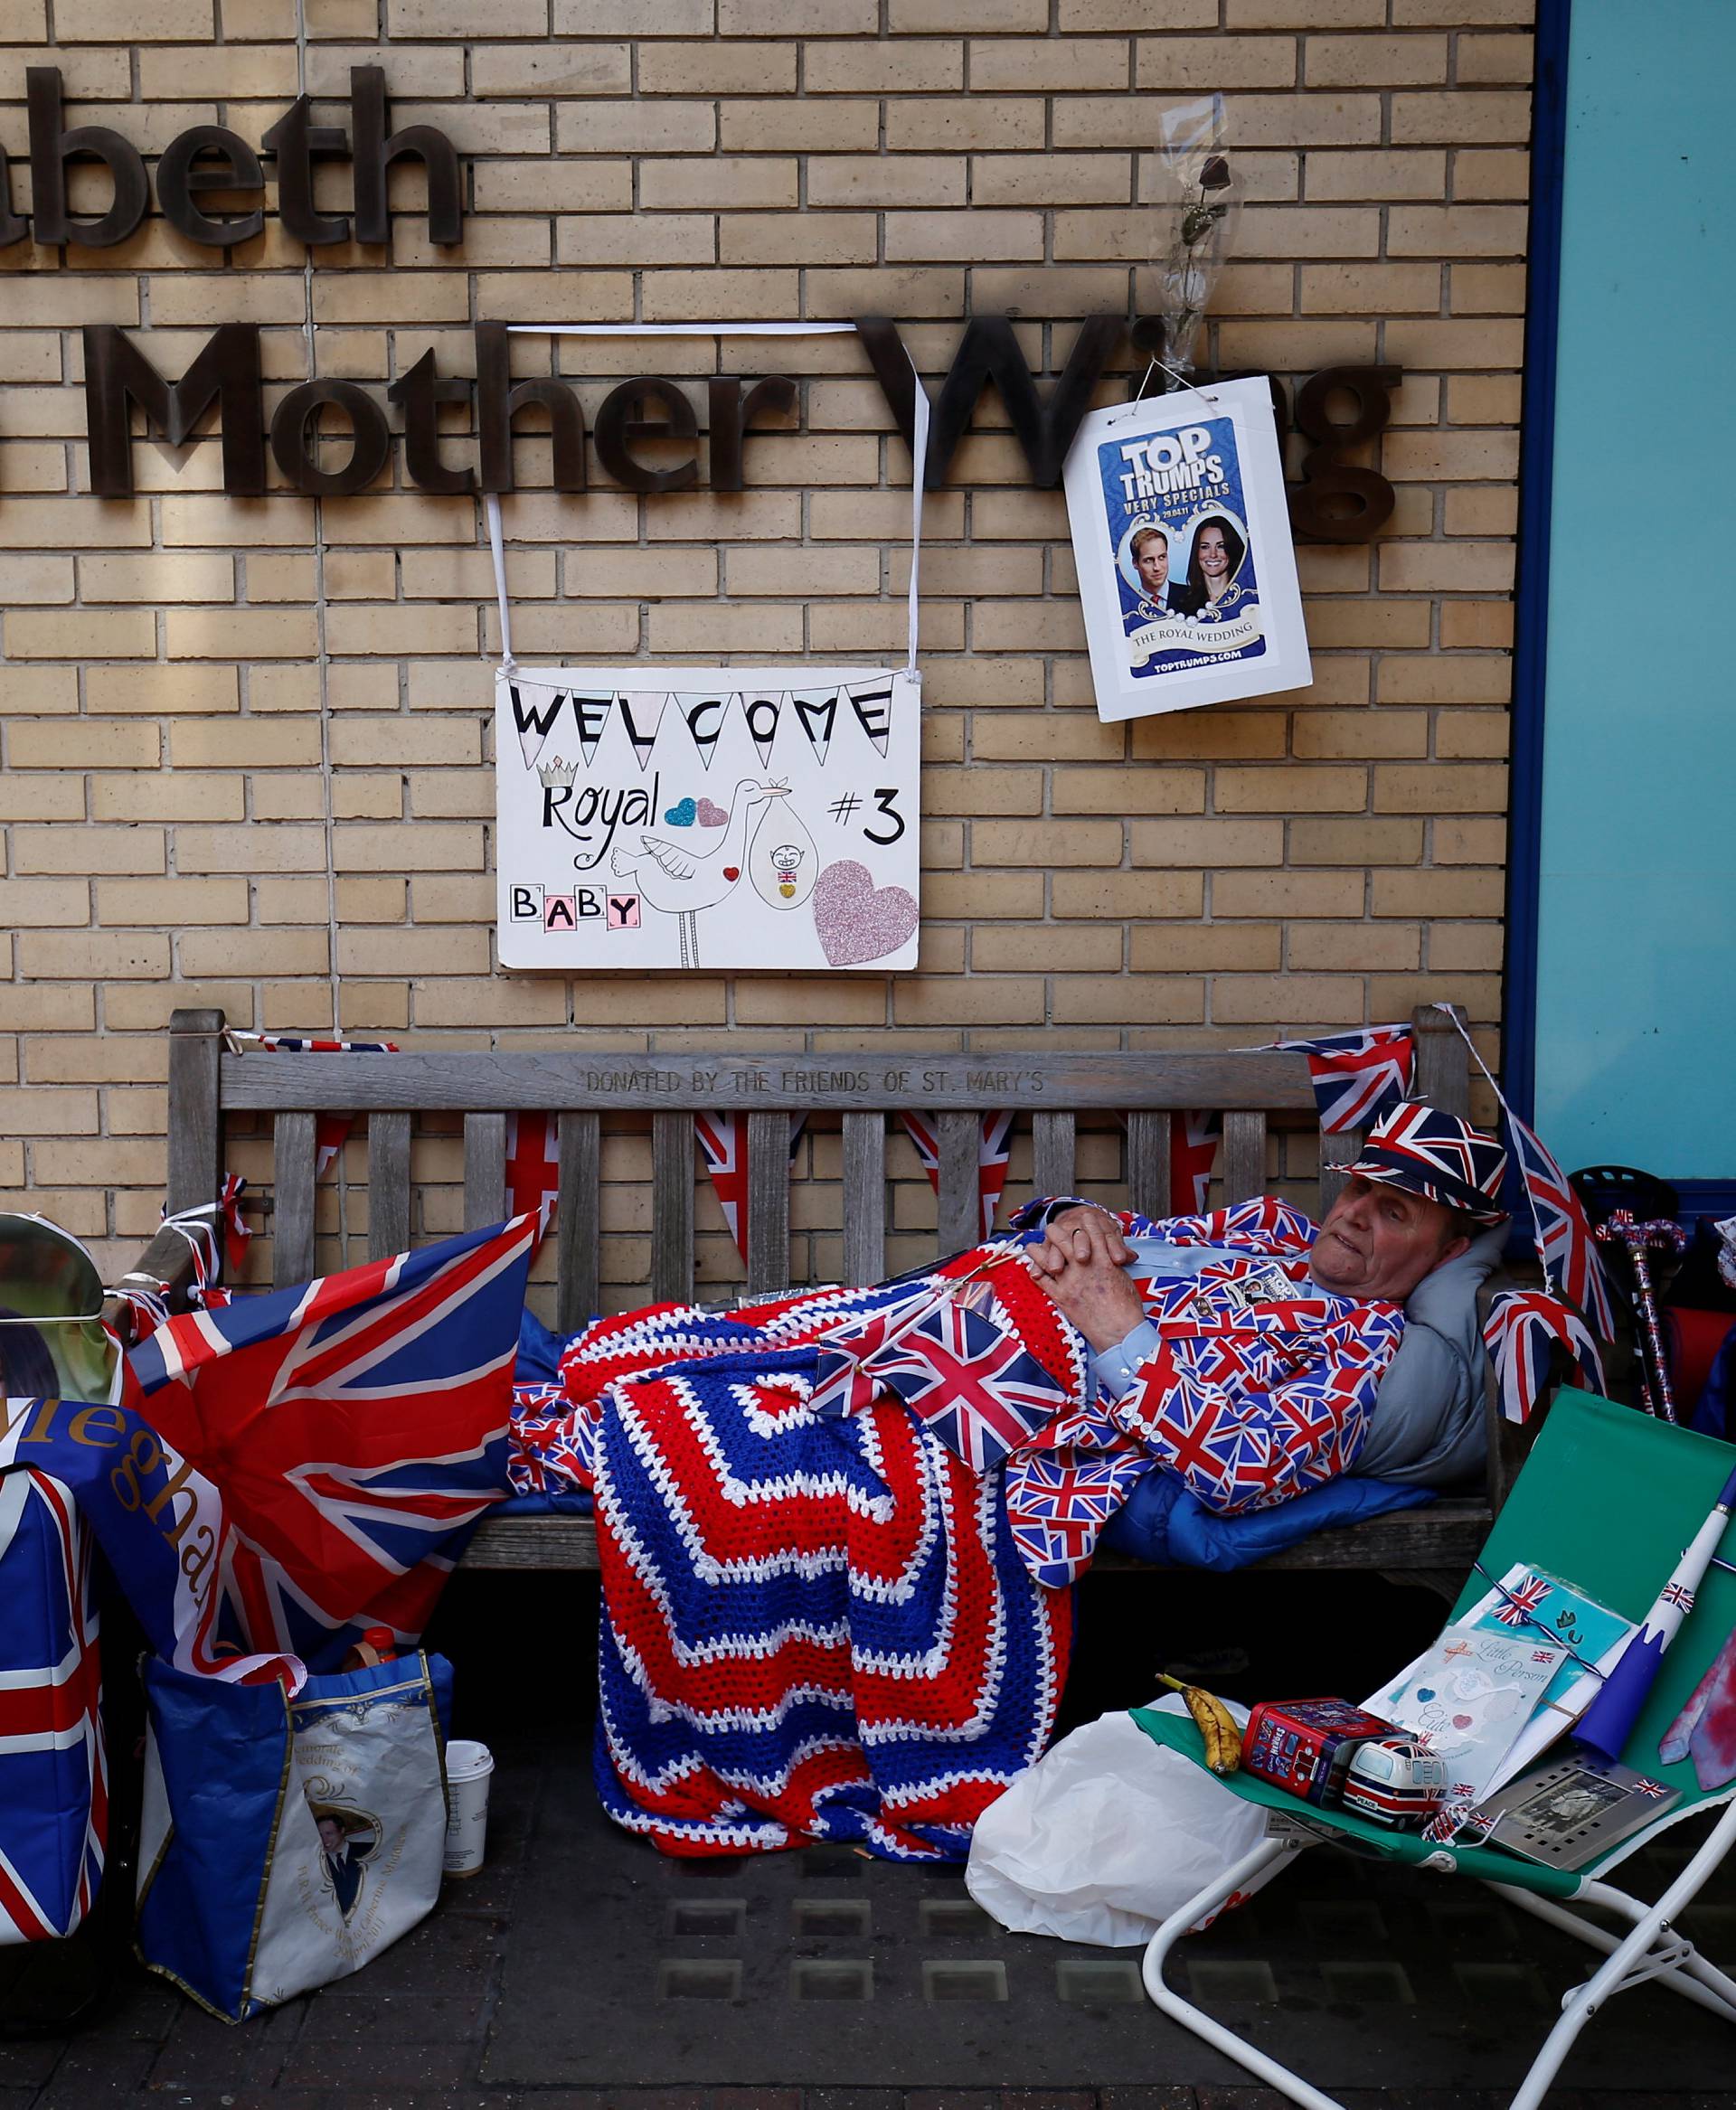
{"points": [[356, 1426], [1193, 1138], [1565, 1246], [1357, 1076], [212, 1258], [53, 1775], [533, 1163], [993, 1150], [724, 1142], [1522, 1332], [977, 1387], [331, 1131]]}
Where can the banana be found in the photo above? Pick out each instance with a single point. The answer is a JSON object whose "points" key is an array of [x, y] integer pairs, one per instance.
{"points": [[1217, 1726]]}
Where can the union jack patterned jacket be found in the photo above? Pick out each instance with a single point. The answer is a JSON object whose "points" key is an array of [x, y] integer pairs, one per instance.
{"points": [[1249, 1399]]}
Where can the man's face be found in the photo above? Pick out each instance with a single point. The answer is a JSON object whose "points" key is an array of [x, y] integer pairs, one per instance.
{"points": [[1379, 1241], [1214, 558], [331, 1834], [1152, 564]]}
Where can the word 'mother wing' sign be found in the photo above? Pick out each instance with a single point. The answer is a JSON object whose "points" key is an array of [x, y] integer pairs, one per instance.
{"points": [[707, 817]]}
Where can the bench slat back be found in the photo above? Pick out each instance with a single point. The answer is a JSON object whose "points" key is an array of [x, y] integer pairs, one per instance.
{"points": [[671, 1207], [865, 1197], [388, 1185], [484, 1087], [292, 1188], [578, 1219]]}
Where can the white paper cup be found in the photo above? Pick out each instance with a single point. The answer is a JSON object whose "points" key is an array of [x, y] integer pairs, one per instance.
{"points": [[467, 1769]]}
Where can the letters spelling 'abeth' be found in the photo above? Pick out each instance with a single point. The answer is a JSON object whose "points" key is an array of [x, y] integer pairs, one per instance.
{"points": [[294, 140]]}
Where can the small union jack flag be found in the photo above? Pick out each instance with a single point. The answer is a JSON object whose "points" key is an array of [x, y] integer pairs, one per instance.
{"points": [[1357, 1076], [1524, 1329], [1565, 1246], [980, 1390], [723, 1141], [1653, 1790], [993, 1150], [1517, 1606], [1679, 1596]]}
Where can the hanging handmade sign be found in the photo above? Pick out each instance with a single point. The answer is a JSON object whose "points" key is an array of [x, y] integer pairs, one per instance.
{"points": [[708, 818], [715, 817], [1182, 538]]}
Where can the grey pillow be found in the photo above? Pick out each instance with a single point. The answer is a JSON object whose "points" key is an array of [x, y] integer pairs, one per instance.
{"points": [[1427, 1427]]}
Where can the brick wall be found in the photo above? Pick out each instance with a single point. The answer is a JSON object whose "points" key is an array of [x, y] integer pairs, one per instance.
{"points": [[176, 669]]}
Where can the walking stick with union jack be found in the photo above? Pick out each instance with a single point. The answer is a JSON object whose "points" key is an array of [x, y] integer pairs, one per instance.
{"points": [[1622, 1228]]}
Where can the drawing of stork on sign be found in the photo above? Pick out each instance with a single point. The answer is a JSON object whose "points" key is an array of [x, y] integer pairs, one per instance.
{"points": [[682, 882]]}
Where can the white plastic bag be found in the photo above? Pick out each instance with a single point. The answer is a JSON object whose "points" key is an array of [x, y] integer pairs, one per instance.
{"points": [[1107, 1835]]}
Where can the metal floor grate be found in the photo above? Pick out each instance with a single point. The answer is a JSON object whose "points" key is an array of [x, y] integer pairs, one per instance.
{"points": [[823, 1969]]}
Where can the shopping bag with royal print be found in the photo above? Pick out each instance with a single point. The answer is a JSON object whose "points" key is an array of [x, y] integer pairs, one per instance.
{"points": [[286, 1842]]}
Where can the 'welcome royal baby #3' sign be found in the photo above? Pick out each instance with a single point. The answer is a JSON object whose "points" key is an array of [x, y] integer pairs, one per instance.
{"points": [[718, 818]]}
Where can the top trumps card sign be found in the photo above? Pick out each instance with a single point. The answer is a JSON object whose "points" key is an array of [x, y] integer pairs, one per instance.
{"points": [[1183, 541], [713, 817]]}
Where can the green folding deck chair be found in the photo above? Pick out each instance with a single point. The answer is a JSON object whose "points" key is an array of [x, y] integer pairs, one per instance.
{"points": [[1608, 1499]]}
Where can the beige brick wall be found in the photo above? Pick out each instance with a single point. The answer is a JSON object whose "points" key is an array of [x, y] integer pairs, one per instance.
{"points": [[175, 668]]}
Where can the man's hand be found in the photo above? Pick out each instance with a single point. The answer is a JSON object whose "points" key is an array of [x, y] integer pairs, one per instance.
{"points": [[1080, 1263]]}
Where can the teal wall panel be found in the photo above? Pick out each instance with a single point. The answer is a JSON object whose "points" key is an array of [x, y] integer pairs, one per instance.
{"points": [[1635, 1031]]}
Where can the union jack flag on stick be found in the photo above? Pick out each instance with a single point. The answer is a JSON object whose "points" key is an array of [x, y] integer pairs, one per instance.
{"points": [[1565, 1246], [977, 1388], [1522, 1332], [1566, 1249], [1357, 1076], [356, 1427]]}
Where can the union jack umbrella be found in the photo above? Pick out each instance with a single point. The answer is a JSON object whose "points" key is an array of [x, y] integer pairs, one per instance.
{"points": [[1357, 1076], [995, 1149], [53, 1775], [978, 1388], [331, 1131], [1522, 1332], [723, 1141], [356, 1426], [1565, 1246]]}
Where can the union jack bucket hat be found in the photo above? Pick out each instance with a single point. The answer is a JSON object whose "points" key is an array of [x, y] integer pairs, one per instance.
{"points": [[1438, 1156]]}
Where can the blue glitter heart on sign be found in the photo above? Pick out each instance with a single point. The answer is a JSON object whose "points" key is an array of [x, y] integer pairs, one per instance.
{"points": [[1425, 1693], [682, 815]]}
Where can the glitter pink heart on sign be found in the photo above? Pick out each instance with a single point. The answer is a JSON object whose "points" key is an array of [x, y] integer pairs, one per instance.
{"points": [[857, 920], [710, 815]]}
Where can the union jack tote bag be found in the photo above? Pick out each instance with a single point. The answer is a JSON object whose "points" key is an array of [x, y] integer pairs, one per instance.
{"points": [[286, 1842]]}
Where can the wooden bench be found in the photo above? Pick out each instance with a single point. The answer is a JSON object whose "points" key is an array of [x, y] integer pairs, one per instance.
{"points": [[1259, 1093]]}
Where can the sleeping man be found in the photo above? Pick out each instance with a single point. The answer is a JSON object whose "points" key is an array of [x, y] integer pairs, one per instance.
{"points": [[1255, 1355], [836, 1530]]}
